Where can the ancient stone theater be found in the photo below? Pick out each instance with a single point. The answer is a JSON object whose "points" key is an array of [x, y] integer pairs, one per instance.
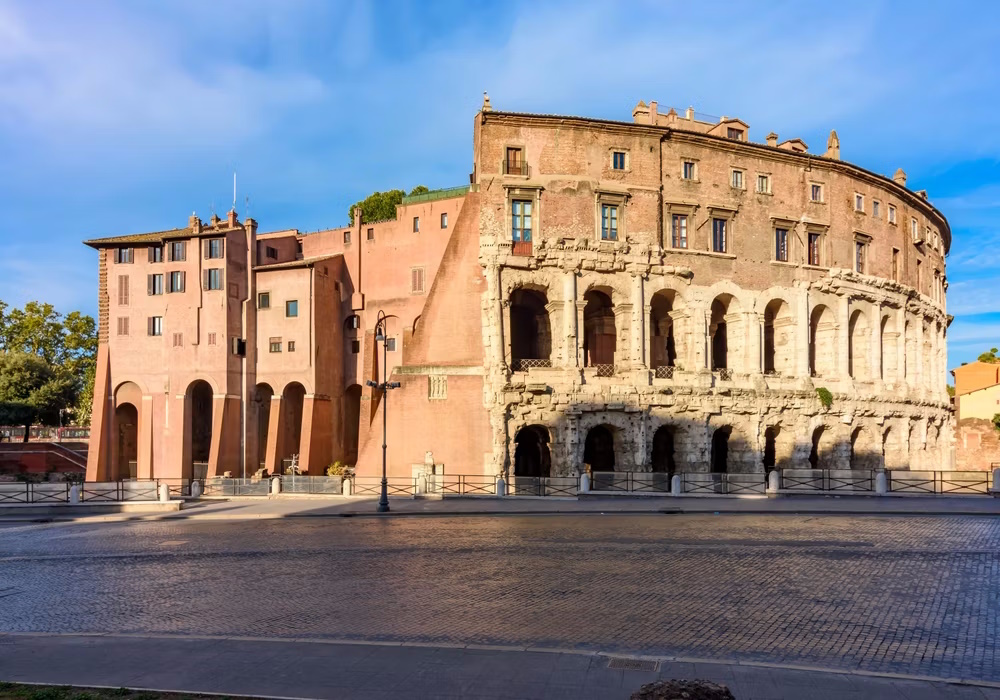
{"points": [[663, 294]]}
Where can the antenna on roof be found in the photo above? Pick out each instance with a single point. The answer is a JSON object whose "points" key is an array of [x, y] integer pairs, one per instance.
{"points": [[234, 190]]}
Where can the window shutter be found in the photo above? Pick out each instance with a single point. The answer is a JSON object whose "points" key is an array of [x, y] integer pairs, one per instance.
{"points": [[149, 325], [149, 285], [183, 281], [204, 284]]}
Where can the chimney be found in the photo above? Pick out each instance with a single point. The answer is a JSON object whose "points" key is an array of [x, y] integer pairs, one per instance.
{"points": [[640, 115], [900, 177], [772, 139], [194, 223], [487, 107], [833, 146], [215, 219], [233, 222], [653, 113], [689, 114]]}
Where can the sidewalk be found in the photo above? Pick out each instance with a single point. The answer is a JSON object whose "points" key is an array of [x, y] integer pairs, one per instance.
{"points": [[368, 670], [259, 508]]}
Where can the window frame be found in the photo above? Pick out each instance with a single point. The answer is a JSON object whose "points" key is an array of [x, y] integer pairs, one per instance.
{"points": [[290, 346], [154, 326], [675, 239], [444, 219], [859, 203], [517, 233], [155, 254], [370, 234], [815, 187], [616, 156], [274, 344], [693, 163], [178, 251], [416, 224], [289, 308], [173, 288], [862, 244], [215, 248], [877, 208], [216, 273], [266, 296], [152, 286], [733, 172], [347, 237], [416, 272], [610, 214], [891, 214], [819, 258], [781, 245], [766, 177]]}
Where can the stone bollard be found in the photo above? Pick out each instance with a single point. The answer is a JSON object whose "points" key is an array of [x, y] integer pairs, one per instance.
{"points": [[675, 485], [585, 483], [195, 489], [164, 490], [275, 485], [501, 487], [347, 487], [74, 494], [996, 482], [773, 481], [420, 485], [881, 484]]}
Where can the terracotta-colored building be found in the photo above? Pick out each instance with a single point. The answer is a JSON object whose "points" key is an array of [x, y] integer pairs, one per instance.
{"points": [[654, 295]]}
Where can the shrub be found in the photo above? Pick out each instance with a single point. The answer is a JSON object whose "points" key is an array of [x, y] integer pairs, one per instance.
{"points": [[825, 397], [996, 421], [338, 468]]}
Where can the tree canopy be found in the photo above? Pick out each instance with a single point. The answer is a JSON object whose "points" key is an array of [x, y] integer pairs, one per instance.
{"points": [[990, 356], [381, 206]]}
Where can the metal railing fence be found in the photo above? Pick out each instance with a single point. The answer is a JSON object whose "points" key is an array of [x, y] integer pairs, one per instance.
{"points": [[395, 486], [544, 485], [331, 485], [461, 485]]}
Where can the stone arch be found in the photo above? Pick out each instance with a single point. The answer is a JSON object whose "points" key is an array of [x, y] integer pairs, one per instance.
{"points": [[779, 447], [779, 338], [664, 308], [199, 401], [821, 452], [719, 454], [894, 447], [352, 422], [262, 395], [822, 342], [293, 401], [916, 444], [599, 448], [888, 349], [600, 337], [532, 456], [859, 346], [725, 332], [664, 450], [530, 328], [866, 450], [128, 403]]}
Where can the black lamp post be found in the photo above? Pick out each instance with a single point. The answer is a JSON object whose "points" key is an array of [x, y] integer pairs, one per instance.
{"points": [[385, 386]]}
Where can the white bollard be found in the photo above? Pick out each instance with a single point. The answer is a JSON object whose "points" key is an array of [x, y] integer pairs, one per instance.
{"points": [[881, 484], [675, 485], [501, 487], [347, 487], [74, 494], [585, 483], [773, 481], [275, 485], [164, 493], [996, 481], [195, 489]]}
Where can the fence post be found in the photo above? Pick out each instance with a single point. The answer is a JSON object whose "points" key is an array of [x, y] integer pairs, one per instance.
{"points": [[347, 487], [585, 483], [164, 491], [275, 485], [773, 481], [195, 489], [675, 485], [74, 494], [881, 484], [995, 489], [501, 487]]}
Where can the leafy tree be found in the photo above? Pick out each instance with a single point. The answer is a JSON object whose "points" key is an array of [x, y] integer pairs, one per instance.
{"points": [[381, 206], [951, 390], [990, 356], [31, 389]]}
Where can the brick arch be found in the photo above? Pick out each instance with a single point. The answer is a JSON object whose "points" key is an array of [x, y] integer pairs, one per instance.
{"points": [[190, 379]]}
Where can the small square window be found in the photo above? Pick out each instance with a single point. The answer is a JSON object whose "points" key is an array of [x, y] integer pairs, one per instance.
{"points": [[291, 346], [444, 219], [416, 224], [271, 252], [264, 300], [292, 308], [876, 208], [274, 344], [390, 344], [618, 160], [781, 244], [719, 238], [688, 170], [892, 214], [355, 346], [859, 202], [815, 193], [212, 337], [734, 134], [371, 234], [737, 180], [609, 222], [764, 184], [347, 238]]}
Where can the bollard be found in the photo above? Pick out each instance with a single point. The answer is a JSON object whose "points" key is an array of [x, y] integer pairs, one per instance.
{"points": [[275, 485], [501, 487], [347, 487], [74, 494], [773, 481], [675, 485], [164, 493], [881, 485], [195, 489], [996, 482], [420, 485], [585, 483]]}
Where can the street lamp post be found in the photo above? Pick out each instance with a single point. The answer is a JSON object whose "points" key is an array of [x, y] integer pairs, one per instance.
{"points": [[385, 386]]}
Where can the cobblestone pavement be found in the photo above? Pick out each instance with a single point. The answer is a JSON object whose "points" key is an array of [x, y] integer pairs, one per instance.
{"points": [[888, 594]]}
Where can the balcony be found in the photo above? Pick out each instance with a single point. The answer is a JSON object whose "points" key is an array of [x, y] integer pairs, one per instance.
{"points": [[522, 248], [512, 167], [523, 365]]}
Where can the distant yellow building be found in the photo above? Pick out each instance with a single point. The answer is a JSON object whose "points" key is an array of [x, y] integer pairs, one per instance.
{"points": [[977, 390]]}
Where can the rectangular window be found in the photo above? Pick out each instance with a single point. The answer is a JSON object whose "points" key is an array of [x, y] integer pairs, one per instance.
{"points": [[212, 338], [816, 193], [271, 252], [347, 238], [274, 344], [123, 290], [176, 282], [178, 340], [520, 220], [915, 230], [514, 163], [859, 202], [609, 222], [814, 245], [679, 231], [155, 254], [292, 308], [735, 134], [371, 234], [416, 224], [781, 244], [213, 279], [876, 208], [390, 344], [417, 280], [892, 214], [123, 325], [291, 346], [355, 346], [618, 160], [688, 170], [719, 242], [764, 184], [737, 180], [213, 248], [444, 220], [123, 255], [178, 251], [859, 256], [264, 300], [154, 325], [154, 284]]}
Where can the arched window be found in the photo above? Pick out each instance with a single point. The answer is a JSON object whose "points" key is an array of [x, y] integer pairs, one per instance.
{"points": [[779, 335], [662, 343], [822, 342], [599, 332], [859, 346], [531, 452], [530, 334]]}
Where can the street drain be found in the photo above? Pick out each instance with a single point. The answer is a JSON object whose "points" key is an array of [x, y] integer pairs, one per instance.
{"points": [[633, 664]]}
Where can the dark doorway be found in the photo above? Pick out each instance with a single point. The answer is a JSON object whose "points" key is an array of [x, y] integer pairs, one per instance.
{"points": [[263, 396], [720, 450], [663, 451], [770, 445], [201, 428], [531, 452], [294, 400], [599, 334], [599, 449], [127, 419], [530, 338], [352, 422], [814, 452], [663, 349]]}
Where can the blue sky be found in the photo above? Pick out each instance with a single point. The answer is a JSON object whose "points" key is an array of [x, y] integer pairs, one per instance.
{"points": [[119, 117]]}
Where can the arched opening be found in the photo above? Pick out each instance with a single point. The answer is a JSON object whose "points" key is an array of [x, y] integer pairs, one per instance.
{"points": [[778, 338], [865, 454], [352, 422], [859, 346], [816, 457], [663, 450], [720, 449], [127, 424], [531, 452], [262, 399], [663, 346], [599, 333], [771, 448], [292, 398], [822, 342], [599, 449], [723, 332], [909, 352], [530, 334], [888, 353], [893, 449], [200, 426]]}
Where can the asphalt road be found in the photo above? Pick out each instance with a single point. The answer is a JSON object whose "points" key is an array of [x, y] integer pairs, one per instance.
{"points": [[914, 595]]}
